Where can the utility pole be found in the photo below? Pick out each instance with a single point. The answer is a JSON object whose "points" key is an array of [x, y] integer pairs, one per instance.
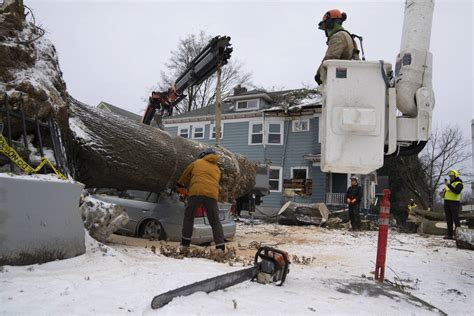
{"points": [[218, 106]]}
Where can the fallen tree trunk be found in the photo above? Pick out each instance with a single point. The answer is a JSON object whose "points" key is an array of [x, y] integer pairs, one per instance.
{"points": [[439, 216], [110, 151]]}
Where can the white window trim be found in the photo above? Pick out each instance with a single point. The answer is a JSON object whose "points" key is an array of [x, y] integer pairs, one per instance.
{"points": [[194, 129], [293, 123], [251, 124], [247, 108], [293, 168], [267, 132], [211, 126], [280, 179], [182, 128]]}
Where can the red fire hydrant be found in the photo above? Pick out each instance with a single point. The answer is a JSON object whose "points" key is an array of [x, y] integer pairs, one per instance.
{"points": [[384, 217]]}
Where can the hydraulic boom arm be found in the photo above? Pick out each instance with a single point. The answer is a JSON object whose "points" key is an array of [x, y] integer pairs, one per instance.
{"points": [[204, 65]]}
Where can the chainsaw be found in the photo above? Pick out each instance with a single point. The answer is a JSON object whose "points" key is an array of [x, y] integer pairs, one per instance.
{"points": [[270, 266]]}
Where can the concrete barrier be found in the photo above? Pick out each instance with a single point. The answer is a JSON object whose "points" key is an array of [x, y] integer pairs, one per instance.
{"points": [[39, 219]]}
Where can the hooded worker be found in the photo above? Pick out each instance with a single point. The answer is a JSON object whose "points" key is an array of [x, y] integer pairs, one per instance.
{"points": [[340, 43], [353, 198], [201, 178], [452, 201]]}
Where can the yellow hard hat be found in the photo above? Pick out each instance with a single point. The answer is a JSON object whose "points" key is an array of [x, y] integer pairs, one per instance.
{"points": [[454, 173]]}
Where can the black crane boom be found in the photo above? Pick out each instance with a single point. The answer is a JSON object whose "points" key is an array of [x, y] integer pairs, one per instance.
{"points": [[216, 53]]}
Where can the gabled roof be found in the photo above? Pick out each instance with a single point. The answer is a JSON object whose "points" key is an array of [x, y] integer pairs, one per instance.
{"points": [[114, 109], [292, 101]]}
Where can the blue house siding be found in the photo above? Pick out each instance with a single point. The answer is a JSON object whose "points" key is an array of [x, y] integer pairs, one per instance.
{"points": [[236, 139], [288, 155]]}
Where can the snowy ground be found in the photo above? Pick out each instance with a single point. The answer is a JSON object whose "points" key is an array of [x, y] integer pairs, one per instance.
{"points": [[122, 278]]}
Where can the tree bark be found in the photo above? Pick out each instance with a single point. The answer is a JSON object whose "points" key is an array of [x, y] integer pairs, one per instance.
{"points": [[110, 151]]}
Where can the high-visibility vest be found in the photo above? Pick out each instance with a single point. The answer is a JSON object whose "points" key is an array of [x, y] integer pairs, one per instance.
{"points": [[450, 195]]}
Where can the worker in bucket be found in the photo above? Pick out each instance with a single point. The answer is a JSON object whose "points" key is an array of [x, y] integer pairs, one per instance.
{"points": [[353, 199], [340, 43], [201, 178], [452, 201]]}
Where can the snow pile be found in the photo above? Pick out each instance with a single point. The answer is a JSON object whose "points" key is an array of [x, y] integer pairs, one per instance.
{"points": [[51, 177], [34, 155], [31, 76], [117, 279], [102, 219], [465, 238]]}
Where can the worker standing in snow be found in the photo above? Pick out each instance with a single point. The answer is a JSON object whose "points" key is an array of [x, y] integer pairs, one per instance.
{"points": [[353, 198], [452, 201], [409, 210], [340, 43], [202, 178]]}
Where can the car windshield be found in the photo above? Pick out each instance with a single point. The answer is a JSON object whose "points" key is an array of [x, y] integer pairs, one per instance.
{"points": [[139, 195]]}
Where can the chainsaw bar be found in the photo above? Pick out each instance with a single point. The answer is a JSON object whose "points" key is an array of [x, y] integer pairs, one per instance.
{"points": [[209, 285]]}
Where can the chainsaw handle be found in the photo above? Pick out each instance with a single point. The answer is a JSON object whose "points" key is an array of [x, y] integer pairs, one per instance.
{"points": [[263, 252]]}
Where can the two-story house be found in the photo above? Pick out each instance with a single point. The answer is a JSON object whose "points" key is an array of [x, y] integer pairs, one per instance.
{"points": [[278, 128]]}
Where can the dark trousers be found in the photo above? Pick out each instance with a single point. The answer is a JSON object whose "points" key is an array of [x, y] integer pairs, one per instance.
{"points": [[451, 209], [354, 210], [212, 211]]}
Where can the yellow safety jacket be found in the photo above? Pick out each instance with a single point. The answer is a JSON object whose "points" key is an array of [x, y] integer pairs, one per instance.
{"points": [[450, 195], [411, 207], [202, 177]]}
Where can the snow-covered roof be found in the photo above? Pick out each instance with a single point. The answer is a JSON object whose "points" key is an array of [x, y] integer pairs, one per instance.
{"points": [[287, 101]]}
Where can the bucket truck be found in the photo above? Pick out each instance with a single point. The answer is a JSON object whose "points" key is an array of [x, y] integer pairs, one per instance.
{"points": [[359, 123]]}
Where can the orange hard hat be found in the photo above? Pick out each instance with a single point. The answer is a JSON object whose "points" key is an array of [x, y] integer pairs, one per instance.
{"points": [[332, 15]]}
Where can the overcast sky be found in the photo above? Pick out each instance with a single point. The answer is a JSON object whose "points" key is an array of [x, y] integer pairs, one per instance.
{"points": [[114, 51]]}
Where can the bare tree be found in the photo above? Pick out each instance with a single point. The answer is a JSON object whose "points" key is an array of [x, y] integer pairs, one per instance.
{"points": [[203, 94], [445, 150]]}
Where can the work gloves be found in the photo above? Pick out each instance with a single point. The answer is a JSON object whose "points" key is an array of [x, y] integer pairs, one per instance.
{"points": [[351, 201], [182, 191]]}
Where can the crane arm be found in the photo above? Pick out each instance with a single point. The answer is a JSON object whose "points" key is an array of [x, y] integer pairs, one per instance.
{"points": [[216, 53]]}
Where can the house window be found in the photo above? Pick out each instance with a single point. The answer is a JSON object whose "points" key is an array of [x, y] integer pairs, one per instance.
{"points": [[300, 125], [300, 173], [198, 132], [275, 179], [212, 134], [256, 133], [247, 105], [272, 135], [183, 131], [275, 133]]}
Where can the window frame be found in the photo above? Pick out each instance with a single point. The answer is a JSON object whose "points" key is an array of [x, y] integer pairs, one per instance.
{"points": [[211, 127], [280, 178], [180, 128], [267, 132], [299, 168], [251, 124], [247, 108], [293, 125], [194, 130]]}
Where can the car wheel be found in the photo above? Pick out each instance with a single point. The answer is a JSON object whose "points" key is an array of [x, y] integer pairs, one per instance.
{"points": [[152, 229]]}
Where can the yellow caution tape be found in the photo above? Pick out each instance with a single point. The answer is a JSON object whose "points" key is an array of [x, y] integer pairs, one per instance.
{"points": [[23, 165]]}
